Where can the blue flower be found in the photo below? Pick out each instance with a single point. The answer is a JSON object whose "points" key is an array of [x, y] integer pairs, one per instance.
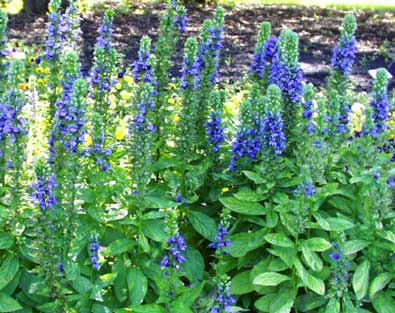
{"points": [[335, 256], [215, 131], [263, 57], [221, 241], [343, 57], [273, 128], [94, 249], [44, 192], [176, 245], [289, 79]]}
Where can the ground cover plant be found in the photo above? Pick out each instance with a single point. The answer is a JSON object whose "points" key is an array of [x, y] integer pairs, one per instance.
{"points": [[129, 189]]}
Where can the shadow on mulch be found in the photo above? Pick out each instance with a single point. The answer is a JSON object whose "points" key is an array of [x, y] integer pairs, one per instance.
{"points": [[318, 30]]}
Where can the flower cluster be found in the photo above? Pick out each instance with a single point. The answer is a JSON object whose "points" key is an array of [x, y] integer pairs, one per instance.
{"points": [[265, 50], [44, 192], [272, 123], [307, 189], [248, 143], [69, 118], [94, 249], [206, 63], [340, 270], [221, 240], [13, 125], [101, 81], [187, 71], [143, 128], [142, 68], [215, 131], [308, 109], [105, 58], [180, 17], [285, 71], [174, 258], [224, 299], [53, 45], [3, 41], [343, 57], [380, 102]]}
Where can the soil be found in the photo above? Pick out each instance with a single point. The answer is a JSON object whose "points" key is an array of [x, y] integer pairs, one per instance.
{"points": [[318, 30]]}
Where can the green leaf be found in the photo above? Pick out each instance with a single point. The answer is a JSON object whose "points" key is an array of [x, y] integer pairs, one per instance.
{"points": [[159, 203], [106, 279], [339, 224], [317, 244], [155, 229], [360, 280], [189, 296], [119, 246], [246, 194], [309, 301], [241, 284], [243, 207], [312, 259], [353, 246], [333, 306], [8, 270], [255, 177], [270, 279], [283, 302], [194, 264], [242, 243], [203, 224], [383, 303], [263, 303], [99, 308], [146, 308], [178, 307], [6, 241], [8, 304], [279, 239], [82, 284], [315, 284], [280, 198], [137, 285], [379, 282]]}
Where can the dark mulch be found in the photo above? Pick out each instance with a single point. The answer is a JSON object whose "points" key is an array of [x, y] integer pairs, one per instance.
{"points": [[318, 30]]}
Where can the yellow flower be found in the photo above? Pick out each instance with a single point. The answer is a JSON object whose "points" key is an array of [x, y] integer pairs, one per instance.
{"points": [[225, 189], [120, 132], [125, 95], [176, 118], [171, 101], [179, 100], [39, 70], [88, 139], [128, 79], [23, 86], [172, 86], [47, 70], [32, 60], [41, 81], [59, 89], [118, 86]]}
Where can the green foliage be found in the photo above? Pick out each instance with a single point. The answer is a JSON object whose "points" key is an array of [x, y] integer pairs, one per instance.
{"points": [[133, 205]]}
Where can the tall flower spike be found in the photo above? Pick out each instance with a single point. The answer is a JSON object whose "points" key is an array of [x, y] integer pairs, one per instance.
{"points": [[249, 141], [308, 109], [190, 110], [259, 62], [143, 68], [101, 82], [380, 102], [3, 41], [286, 73], [343, 56], [273, 126], [214, 129]]}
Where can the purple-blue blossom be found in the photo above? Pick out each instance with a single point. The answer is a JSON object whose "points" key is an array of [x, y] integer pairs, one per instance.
{"points": [[176, 246], [215, 131]]}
